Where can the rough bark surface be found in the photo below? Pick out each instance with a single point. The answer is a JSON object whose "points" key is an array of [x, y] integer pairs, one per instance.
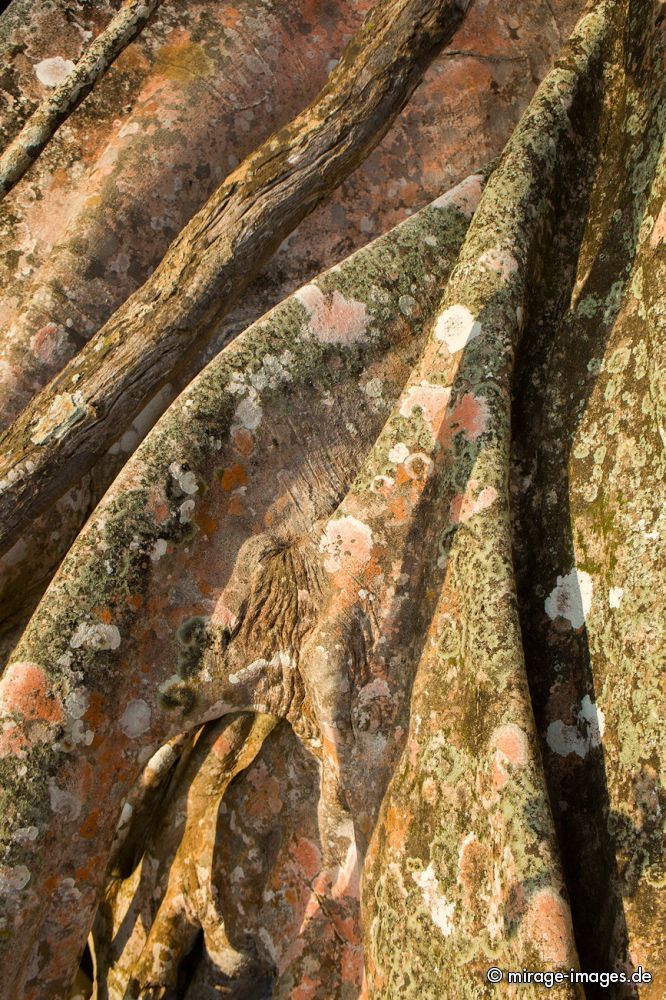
{"points": [[57, 439], [415, 514], [183, 103], [70, 91]]}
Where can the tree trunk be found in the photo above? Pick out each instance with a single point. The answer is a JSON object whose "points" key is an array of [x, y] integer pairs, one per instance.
{"points": [[66, 282], [413, 513], [70, 91], [57, 438]]}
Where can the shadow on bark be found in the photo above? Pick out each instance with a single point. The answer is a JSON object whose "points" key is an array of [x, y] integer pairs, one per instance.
{"points": [[555, 380]]}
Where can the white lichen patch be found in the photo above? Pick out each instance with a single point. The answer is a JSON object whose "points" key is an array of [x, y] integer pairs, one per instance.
{"points": [[382, 485], [398, 453], [499, 260], [76, 705], [615, 595], [248, 412], [436, 903], [373, 388], [159, 549], [65, 410], [571, 598], [25, 834], [273, 372], [185, 511], [564, 739], [95, 635], [13, 879], [51, 72], [135, 720], [335, 321], [591, 714], [254, 670], [431, 400], [249, 673], [63, 802], [185, 479], [586, 734], [456, 327], [346, 542]]}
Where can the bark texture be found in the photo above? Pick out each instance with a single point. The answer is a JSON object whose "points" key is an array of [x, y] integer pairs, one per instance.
{"points": [[179, 107], [70, 91], [57, 439], [414, 513]]}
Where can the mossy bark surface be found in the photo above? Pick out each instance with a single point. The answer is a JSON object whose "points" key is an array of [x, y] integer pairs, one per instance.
{"points": [[392, 561], [60, 434]]}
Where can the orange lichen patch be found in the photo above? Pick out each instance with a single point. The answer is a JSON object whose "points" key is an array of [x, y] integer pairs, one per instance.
{"points": [[474, 867], [397, 824], [233, 477], [308, 855], [234, 507], [658, 234], [103, 614], [243, 441], [467, 77], [135, 601], [90, 827], [547, 925], [182, 61], [306, 989], [231, 17], [399, 509], [94, 714], [50, 882], [351, 966], [205, 522], [466, 505], [401, 476], [469, 415], [267, 802], [14, 740], [511, 742], [26, 690], [157, 504]]}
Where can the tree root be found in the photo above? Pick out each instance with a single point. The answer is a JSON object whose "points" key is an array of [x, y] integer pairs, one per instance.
{"points": [[171, 892]]}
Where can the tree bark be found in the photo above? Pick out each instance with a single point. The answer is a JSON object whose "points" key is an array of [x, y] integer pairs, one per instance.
{"points": [[175, 895], [416, 514], [56, 109], [63, 430], [358, 324]]}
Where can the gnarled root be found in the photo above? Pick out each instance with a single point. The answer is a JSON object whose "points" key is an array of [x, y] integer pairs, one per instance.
{"points": [[171, 891]]}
